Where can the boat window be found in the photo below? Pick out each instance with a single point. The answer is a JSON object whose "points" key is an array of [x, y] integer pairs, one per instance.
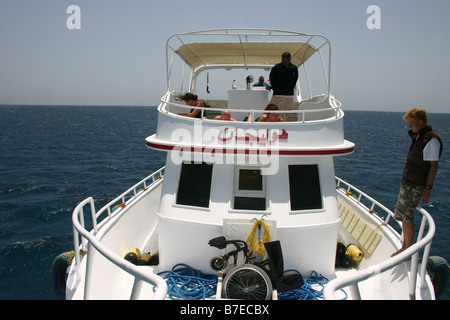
{"points": [[249, 192], [250, 179], [304, 187], [249, 203], [194, 188]]}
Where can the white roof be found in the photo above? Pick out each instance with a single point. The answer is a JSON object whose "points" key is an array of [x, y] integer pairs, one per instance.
{"points": [[244, 47], [265, 53]]}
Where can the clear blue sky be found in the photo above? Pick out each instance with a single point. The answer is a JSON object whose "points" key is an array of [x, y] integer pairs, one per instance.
{"points": [[118, 55]]}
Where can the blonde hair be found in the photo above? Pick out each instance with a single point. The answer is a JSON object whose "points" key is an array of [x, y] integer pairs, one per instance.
{"points": [[416, 114]]}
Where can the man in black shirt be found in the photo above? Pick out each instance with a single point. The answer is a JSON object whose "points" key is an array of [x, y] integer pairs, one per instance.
{"points": [[283, 78]]}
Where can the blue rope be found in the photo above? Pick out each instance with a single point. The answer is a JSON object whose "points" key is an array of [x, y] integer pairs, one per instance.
{"points": [[306, 292], [186, 283]]}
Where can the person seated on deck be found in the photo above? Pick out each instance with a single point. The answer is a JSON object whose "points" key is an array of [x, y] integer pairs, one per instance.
{"points": [[269, 116], [192, 100], [225, 115]]}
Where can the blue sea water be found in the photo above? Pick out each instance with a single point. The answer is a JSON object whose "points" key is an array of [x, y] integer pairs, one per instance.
{"points": [[52, 157]]}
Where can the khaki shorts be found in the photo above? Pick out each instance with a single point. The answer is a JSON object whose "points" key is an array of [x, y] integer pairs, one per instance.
{"points": [[408, 199], [285, 103]]}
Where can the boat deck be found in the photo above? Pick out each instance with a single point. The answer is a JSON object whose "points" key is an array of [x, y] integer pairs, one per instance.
{"points": [[397, 278]]}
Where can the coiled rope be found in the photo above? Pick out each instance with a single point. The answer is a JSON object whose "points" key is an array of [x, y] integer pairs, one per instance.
{"points": [[186, 283], [306, 292], [257, 246]]}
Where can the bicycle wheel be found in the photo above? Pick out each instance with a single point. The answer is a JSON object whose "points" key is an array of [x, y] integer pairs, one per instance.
{"points": [[247, 282]]}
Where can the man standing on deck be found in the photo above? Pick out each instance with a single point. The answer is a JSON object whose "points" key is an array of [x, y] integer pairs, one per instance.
{"points": [[419, 173], [283, 78]]}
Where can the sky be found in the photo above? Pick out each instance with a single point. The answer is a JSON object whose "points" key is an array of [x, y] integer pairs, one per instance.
{"points": [[117, 56]]}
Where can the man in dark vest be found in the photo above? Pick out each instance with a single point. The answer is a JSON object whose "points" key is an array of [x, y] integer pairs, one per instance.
{"points": [[283, 78], [419, 173]]}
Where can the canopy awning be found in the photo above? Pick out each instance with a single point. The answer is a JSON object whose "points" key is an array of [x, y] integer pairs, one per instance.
{"points": [[243, 53]]}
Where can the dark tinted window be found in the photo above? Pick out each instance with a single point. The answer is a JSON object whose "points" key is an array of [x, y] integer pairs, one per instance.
{"points": [[250, 193], [247, 203], [250, 180], [304, 187], [194, 188]]}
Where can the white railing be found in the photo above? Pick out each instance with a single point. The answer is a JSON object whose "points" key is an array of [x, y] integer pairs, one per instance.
{"points": [[335, 108], [140, 274], [364, 200], [422, 241]]}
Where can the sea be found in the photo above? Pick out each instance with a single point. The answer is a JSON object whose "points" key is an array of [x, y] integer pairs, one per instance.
{"points": [[53, 157]]}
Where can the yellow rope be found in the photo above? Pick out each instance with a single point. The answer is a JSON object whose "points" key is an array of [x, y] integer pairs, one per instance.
{"points": [[257, 246]]}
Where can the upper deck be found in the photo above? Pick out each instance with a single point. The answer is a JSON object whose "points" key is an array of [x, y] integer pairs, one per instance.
{"points": [[318, 129]]}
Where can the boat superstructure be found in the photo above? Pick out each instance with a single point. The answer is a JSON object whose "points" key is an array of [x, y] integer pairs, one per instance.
{"points": [[225, 182]]}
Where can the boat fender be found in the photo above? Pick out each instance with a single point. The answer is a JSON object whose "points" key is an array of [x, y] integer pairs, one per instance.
{"points": [[439, 270], [59, 273], [354, 252], [342, 261], [154, 259], [346, 261], [337, 262], [144, 259], [133, 255], [340, 250]]}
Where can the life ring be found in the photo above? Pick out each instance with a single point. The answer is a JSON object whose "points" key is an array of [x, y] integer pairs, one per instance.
{"points": [[438, 269], [59, 273]]}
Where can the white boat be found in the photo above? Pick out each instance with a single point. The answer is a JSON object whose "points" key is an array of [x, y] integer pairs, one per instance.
{"points": [[245, 199]]}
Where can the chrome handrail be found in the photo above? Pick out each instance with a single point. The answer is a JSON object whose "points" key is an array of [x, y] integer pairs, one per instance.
{"points": [[140, 274], [410, 253]]}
